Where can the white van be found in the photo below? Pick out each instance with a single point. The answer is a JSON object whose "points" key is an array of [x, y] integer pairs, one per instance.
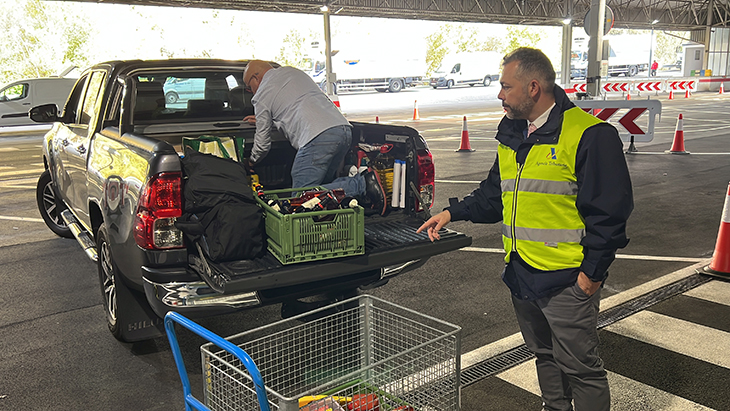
{"points": [[20, 96], [467, 68]]}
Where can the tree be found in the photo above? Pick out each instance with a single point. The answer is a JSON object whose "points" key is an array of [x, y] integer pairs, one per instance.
{"points": [[668, 47], [522, 37], [456, 38], [292, 50], [40, 39]]}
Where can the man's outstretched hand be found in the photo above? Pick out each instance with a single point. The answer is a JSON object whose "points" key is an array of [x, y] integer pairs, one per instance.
{"points": [[434, 224]]}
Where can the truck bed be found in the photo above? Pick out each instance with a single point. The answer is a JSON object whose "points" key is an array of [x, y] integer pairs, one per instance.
{"points": [[388, 242]]}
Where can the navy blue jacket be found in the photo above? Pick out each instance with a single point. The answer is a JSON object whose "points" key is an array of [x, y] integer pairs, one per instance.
{"points": [[605, 200]]}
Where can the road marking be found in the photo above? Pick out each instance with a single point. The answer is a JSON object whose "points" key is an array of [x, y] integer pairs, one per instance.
{"points": [[6, 149], [515, 340], [716, 292], [14, 186], [28, 219], [684, 337], [618, 256], [625, 392], [21, 172]]}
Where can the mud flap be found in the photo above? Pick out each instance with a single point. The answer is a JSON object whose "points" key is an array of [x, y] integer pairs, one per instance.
{"points": [[135, 317]]}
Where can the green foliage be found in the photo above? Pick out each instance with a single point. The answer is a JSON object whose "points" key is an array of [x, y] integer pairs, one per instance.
{"points": [[522, 36], [454, 38], [292, 50], [40, 39], [667, 47]]}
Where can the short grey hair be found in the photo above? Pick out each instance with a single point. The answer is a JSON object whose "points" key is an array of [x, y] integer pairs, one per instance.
{"points": [[533, 64]]}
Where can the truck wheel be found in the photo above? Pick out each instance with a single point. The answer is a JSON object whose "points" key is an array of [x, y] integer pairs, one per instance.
{"points": [[171, 97], [435, 87], [633, 70], [395, 86], [487, 81], [108, 281], [450, 84], [381, 90], [50, 207], [471, 84]]}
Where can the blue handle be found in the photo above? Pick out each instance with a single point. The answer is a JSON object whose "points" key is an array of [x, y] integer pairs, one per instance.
{"points": [[170, 319]]}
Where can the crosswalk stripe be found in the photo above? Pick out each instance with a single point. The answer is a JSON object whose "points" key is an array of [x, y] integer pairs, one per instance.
{"points": [[715, 291], [676, 335], [626, 394]]}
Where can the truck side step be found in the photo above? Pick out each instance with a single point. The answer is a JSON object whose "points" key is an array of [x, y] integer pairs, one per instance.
{"points": [[87, 244]]}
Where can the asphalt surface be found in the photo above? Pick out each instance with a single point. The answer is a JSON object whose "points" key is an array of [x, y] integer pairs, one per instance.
{"points": [[56, 353]]}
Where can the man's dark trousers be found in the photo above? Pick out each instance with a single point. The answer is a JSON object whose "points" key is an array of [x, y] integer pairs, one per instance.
{"points": [[561, 331]]}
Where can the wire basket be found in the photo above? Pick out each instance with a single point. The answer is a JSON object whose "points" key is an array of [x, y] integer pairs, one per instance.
{"points": [[361, 354]]}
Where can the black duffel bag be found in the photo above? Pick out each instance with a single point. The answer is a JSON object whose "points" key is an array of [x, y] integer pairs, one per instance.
{"points": [[221, 216]]}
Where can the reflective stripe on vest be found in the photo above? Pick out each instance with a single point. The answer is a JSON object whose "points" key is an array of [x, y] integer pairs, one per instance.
{"points": [[540, 219]]}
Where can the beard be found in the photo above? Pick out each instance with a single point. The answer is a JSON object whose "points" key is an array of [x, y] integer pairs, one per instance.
{"points": [[521, 110]]}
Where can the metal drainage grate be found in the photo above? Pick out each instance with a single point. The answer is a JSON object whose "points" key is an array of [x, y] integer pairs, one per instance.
{"points": [[518, 355]]}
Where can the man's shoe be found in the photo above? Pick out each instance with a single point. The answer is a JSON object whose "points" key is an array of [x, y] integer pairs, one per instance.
{"points": [[374, 190]]}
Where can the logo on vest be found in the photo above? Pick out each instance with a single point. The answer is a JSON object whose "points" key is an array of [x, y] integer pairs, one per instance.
{"points": [[552, 159]]}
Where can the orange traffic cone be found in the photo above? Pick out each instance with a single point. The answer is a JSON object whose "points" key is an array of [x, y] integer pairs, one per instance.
{"points": [[415, 110], [720, 264], [678, 144], [687, 93], [628, 96], [671, 94], [377, 120], [722, 88], [465, 146]]}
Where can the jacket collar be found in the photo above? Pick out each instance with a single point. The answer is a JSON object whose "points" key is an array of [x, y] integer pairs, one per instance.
{"points": [[510, 132]]}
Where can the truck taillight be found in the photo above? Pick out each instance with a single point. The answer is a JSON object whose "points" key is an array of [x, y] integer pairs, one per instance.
{"points": [[426, 177], [160, 203]]}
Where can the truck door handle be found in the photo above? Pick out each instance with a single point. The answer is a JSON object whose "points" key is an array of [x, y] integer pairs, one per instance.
{"points": [[81, 149]]}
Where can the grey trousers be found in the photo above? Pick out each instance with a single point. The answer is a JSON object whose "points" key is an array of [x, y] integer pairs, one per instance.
{"points": [[561, 331]]}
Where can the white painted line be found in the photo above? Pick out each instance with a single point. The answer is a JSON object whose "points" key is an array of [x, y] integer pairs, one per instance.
{"points": [[714, 291], [618, 256], [21, 172], [23, 187], [459, 181], [515, 340], [684, 337], [8, 149], [626, 394], [28, 219]]}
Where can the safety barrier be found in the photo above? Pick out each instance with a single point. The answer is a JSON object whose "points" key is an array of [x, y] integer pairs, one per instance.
{"points": [[638, 86], [627, 127]]}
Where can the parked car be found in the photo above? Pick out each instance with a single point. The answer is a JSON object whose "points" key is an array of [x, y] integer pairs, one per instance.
{"points": [[18, 97], [113, 180]]}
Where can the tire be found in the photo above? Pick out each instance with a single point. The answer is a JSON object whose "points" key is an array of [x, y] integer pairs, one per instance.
{"points": [[435, 87], [633, 70], [381, 90], [487, 81], [51, 207], [471, 84], [171, 97], [395, 86], [450, 84], [108, 280]]}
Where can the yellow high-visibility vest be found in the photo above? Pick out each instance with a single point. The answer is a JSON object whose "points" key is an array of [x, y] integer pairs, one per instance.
{"points": [[540, 219]]}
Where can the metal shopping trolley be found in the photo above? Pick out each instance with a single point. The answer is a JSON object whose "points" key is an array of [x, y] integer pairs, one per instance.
{"points": [[361, 354]]}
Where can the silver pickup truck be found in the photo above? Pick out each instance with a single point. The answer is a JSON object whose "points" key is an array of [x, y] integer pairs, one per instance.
{"points": [[113, 157]]}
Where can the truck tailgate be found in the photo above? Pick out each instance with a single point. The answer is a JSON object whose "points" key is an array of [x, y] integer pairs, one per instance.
{"points": [[386, 244]]}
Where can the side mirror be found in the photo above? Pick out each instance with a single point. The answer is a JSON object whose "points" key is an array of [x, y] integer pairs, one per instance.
{"points": [[47, 113]]}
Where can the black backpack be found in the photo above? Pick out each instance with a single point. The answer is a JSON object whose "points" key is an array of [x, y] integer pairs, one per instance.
{"points": [[221, 217]]}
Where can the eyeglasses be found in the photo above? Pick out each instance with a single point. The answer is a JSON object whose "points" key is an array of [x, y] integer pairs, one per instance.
{"points": [[247, 84]]}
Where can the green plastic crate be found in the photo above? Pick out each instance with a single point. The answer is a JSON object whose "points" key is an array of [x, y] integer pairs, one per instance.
{"points": [[296, 238]]}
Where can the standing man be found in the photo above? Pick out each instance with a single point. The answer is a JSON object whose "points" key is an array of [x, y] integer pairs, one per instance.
{"points": [[288, 99], [561, 188], [654, 67]]}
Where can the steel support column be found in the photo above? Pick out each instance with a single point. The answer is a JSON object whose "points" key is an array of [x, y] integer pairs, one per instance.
{"points": [[567, 44], [329, 76], [597, 18], [708, 32]]}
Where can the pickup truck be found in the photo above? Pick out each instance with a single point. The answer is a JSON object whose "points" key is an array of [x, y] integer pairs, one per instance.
{"points": [[113, 159]]}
